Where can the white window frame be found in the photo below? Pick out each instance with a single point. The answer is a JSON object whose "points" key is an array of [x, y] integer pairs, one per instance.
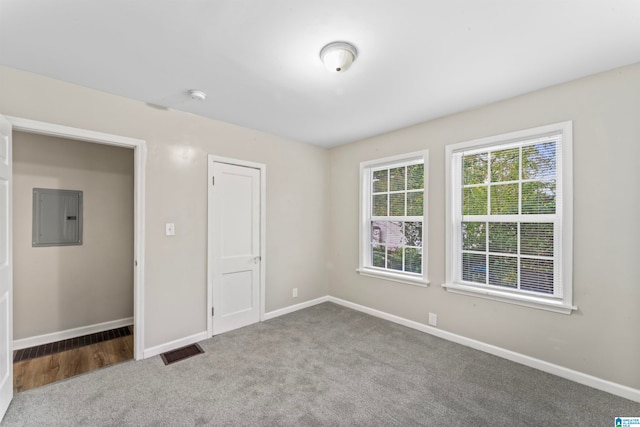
{"points": [[562, 300], [364, 268]]}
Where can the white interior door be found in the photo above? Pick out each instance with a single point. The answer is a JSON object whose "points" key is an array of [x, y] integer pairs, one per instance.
{"points": [[6, 285], [235, 244]]}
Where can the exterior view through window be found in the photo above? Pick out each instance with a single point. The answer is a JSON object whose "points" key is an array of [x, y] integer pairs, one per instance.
{"points": [[509, 217], [396, 218]]}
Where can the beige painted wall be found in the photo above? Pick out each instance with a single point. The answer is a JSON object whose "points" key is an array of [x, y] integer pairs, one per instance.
{"points": [[62, 287], [602, 337], [176, 191], [311, 190]]}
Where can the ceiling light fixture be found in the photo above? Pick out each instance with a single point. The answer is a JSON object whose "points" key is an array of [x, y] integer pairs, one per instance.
{"points": [[197, 95], [338, 56]]}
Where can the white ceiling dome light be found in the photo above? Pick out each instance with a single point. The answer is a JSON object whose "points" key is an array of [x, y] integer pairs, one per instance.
{"points": [[338, 56]]}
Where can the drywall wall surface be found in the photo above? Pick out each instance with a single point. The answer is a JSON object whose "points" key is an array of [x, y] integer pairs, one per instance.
{"points": [[176, 191], [63, 287], [601, 338]]}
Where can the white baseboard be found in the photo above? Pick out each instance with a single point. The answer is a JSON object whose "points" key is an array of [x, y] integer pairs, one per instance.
{"points": [[154, 351], [172, 345], [292, 308], [579, 377], [70, 333]]}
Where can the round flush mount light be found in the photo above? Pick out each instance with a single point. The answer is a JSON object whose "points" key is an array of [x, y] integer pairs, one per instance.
{"points": [[197, 95], [337, 57]]}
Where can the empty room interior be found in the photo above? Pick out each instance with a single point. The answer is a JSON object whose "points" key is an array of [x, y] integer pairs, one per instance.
{"points": [[339, 213]]}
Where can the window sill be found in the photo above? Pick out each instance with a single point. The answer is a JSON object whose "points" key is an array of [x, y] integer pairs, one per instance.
{"points": [[523, 300], [394, 277]]}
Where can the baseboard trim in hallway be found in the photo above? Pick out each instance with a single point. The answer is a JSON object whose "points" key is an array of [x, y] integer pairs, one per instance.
{"points": [[71, 333]]}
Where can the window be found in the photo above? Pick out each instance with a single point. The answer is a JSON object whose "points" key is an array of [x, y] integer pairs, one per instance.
{"points": [[393, 218], [509, 218]]}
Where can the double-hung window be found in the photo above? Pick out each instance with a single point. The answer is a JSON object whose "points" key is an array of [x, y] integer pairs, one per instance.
{"points": [[509, 218], [393, 218]]}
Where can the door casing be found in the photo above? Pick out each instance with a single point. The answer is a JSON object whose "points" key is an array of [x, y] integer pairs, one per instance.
{"points": [[211, 159]]}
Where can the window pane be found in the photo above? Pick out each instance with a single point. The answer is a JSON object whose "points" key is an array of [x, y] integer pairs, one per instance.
{"points": [[503, 237], [536, 275], [474, 236], [474, 268], [539, 197], [415, 203], [504, 199], [380, 181], [397, 178], [539, 161], [505, 165], [474, 201], [503, 271], [379, 205], [394, 259], [392, 233], [415, 177], [474, 169], [378, 258], [536, 239], [412, 260], [413, 233], [397, 204], [378, 232]]}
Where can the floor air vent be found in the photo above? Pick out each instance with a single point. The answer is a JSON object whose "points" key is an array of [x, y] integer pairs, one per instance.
{"points": [[180, 354], [69, 344]]}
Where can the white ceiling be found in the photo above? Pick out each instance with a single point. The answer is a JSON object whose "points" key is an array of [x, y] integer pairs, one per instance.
{"points": [[258, 61]]}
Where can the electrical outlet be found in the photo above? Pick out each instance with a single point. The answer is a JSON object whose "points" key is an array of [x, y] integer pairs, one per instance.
{"points": [[295, 292], [433, 319], [169, 229]]}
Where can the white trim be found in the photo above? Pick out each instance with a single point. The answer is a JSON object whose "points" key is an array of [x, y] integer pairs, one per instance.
{"points": [[172, 345], [532, 301], [67, 132], [140, 158], [390, 161], [211, 158], [560, 371], [393, 277], [515, 136], [6, 270], [290, 309], [70, 333]]}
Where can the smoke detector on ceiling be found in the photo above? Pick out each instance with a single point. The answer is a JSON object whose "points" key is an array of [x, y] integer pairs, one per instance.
{"points": [[337, 57], [197, 95]]}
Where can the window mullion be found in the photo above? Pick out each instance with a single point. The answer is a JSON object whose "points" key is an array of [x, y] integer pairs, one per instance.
{"points": [[518, 235]]}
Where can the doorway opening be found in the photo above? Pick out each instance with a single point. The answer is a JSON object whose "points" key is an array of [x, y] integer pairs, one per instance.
{"points": [[103, 343]]}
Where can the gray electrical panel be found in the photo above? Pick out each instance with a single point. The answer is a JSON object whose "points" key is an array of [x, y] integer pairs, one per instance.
{"points": [[57, 217]]}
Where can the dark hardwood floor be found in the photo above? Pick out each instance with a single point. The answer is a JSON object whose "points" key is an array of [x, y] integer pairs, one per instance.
{"points": [[43, 370]]}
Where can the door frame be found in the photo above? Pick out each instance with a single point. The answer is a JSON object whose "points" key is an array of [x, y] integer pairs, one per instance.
{"points": [[139, 147], [211, 159]]}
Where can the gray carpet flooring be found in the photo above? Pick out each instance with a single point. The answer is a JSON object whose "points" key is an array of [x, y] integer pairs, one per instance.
{"points": [[325, 365]]}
